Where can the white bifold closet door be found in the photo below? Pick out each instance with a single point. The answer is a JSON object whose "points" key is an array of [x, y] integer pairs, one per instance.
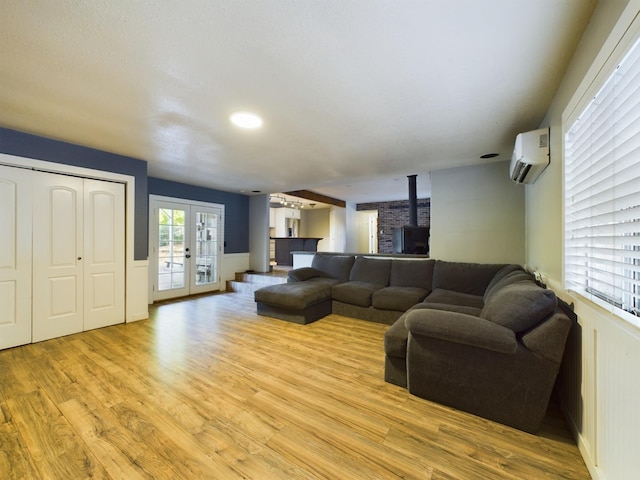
{"points": [[61, 255], [104, 269], [15, 256], [78, 255]]}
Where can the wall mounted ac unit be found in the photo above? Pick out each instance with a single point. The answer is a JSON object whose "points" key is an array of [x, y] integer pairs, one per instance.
{"points": [[530, 156]]}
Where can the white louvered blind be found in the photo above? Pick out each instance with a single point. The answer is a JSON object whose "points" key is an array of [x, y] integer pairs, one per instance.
{"points": [[602, 194]]}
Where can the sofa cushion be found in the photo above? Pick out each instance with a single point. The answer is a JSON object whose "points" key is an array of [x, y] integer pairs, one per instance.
{"points": [[471, 278], [448, 307], [397, 298], [334, 266], [395, 339], [503, 272], [512, 277], [304, 273], [412, 273], [450, 297], [371, 270], [355, 292], [296, 295], [519, 306]]}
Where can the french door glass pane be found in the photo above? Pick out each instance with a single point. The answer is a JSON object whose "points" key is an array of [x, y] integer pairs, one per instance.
{"points": [[206, 247], [171, 249]]}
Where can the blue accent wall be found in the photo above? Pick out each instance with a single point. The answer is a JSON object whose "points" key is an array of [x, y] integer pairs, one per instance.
{"points": [[13, 142], [236, 225], [236, 209]]}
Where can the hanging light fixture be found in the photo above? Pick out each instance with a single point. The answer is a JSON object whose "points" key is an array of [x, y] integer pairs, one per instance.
{"points": [[279, 199]]}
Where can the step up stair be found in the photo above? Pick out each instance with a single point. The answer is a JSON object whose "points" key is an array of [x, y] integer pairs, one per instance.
{"points": [[247, 282]]}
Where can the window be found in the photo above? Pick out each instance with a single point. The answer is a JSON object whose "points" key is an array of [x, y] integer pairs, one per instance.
{"points": [[602, 194]]}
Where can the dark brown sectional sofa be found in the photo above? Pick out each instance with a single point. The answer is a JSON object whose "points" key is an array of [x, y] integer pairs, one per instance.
{"points": [[483, 338]]}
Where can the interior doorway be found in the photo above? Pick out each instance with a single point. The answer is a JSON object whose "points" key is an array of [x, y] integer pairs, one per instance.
{"points": [[367, 231]]}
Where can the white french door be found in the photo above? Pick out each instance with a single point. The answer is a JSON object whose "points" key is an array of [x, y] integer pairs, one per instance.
{"points": [[185, 246]]}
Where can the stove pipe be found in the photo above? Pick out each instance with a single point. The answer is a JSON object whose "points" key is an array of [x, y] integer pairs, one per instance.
{"points": [[413, 201]]}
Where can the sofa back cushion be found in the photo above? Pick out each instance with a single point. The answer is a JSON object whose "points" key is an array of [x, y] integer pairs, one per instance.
{"points": [[371, 270], [397, 298], [463, 277], [503, 272], [500, 281], [519, 306], [412, 273], [334, 266]]}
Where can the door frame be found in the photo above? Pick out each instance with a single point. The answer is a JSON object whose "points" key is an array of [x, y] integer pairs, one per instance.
{"points": [[154, 200], [135, 270]]}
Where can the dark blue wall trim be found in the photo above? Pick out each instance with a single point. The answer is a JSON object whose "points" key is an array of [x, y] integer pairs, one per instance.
{"points": [[23, 144], [236, 209]]}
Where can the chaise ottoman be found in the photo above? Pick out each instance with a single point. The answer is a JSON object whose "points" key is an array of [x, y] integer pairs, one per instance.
{"points": [[298, 302]]}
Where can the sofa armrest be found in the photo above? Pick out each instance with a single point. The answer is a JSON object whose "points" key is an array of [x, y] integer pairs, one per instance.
{"points": [[461, 328], [303, 273], [548, 339]]}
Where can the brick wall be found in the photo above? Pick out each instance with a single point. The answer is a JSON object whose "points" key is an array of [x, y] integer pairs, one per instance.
{"points": [[395, 214]]}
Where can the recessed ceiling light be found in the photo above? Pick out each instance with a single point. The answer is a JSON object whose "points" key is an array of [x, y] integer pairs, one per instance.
{"points": [[489, 155], [246, 120]]}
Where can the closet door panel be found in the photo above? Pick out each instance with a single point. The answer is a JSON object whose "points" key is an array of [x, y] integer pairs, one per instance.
{"points": [[15, 256], [57, 256], [104, 254]]}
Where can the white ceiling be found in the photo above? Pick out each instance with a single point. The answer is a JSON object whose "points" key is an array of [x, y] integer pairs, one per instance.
{"points": [[355, 94]]}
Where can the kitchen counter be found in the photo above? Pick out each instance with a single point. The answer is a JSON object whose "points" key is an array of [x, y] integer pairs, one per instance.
{"points": [[286, 245]]}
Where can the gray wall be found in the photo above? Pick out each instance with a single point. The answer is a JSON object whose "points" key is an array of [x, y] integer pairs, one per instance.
{"points": [[259, 233], [477, 215]]}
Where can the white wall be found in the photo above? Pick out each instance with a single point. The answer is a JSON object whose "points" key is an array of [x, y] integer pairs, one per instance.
{"points": [[335, 225], [477, 215], [544, 198], [315, 223], [233, 263], [601, 390]]}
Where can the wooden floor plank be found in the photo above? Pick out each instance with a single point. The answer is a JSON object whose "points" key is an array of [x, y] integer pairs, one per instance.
{"points": [[253, 459], [118, 451], [56, 450], [208, 389], [15, 460]]}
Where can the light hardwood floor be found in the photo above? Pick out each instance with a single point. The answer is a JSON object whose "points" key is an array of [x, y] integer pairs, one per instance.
{"points": [[207, 389]]}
